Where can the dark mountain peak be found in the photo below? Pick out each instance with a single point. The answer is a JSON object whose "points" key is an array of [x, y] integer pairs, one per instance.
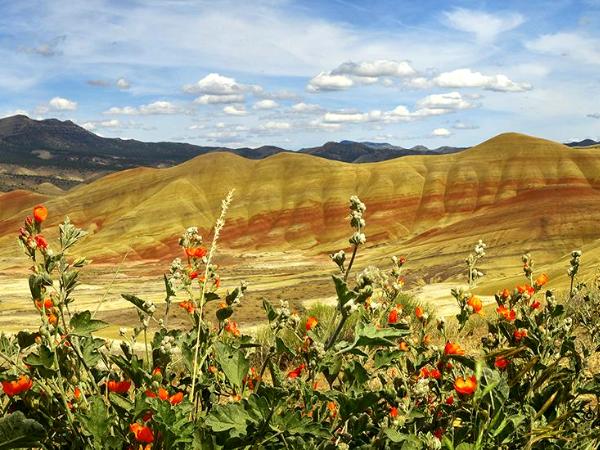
{"points": [[583, 143]]}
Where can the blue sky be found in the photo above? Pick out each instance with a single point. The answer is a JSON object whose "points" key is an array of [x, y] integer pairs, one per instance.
{"points": [[300, 73]]}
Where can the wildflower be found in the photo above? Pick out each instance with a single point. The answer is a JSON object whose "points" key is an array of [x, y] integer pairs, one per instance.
{"points": [[505, 293], [18, 386], [501, 362], [526, 289], [46, 304], [465, 386], [541, 280], [120, 387], [438, 433], [41, 242], [453, 349], [419, 312], [508, 314], [450, 400], [393, 316], [40, 212], [426, 340], [52, 319], [156, 372], [232, 327], [176, 399], [435, 374], [393, 412], [77, 393], [535, 305], [163, 394], [475, 303], [520, 334], [195, 252], [332, 408], [403, 346], [142, 433], [296, 372], [311, 322], [188, 306]]}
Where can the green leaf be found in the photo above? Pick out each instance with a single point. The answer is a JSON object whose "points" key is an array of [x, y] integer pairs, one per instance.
{"points": [[282, 348], [231, 417], [82, 323], [96, 420], [137, 302], [26, 339], [233, 362], [344, 295], [17, 431], [271, 314], [369, 336], [44, 357], [384, 358], [224, 313]]}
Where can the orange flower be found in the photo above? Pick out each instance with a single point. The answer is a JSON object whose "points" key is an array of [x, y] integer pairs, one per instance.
{"points": [[435, 374], [424, 372], [156, 371], [41, 242], [77, 393], [195, 252], [501, 362], [163, 394], [52, 319], [142, 433], [393, 316], [450, 400], [393, 412], [526, 289], [176, 399], [505, 294], [475, 303], [520, 334], [535, 305], [232, 327], [541, 280], [40, 213], [311, 322], [188, 306], [16, 387], [296, 372], [508, 314], [46, 304], [332, 408], [465, 387], [453, 349], [403, 346], [120, 387], [419, 312], [426, 340]]}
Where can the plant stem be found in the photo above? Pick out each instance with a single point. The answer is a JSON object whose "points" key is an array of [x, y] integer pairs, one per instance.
{"points": [[337, 331], [351, 262]]}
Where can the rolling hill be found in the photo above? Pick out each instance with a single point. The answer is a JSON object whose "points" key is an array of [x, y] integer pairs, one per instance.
{"points": [[516, 192]]}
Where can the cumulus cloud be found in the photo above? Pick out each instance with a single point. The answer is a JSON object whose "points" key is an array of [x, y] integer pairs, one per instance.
{"points": [[302, 107], [123, 84], [444, 102], [466, 78], [375, 69], [351, 116], [441, 132], [62, 104], [266, 104], [233, 110], [93, 125], [276, 125], [209, 99], [155, 108], [572, 45], [326, 81], [120, 83], [458, 125], [214, 84], [485, 26]]}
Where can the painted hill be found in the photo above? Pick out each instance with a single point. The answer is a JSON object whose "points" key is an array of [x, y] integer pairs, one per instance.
{"points": [[516, 192]]}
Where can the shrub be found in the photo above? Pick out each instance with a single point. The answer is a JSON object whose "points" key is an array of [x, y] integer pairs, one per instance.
{"points": [[376, 371]]}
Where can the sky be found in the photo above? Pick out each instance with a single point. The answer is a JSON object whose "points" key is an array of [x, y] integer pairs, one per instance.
{"points": [[300, 73]]}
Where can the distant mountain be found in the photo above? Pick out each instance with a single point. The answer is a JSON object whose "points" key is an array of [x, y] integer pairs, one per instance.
{"points": [[584, 143], [42, 155]]}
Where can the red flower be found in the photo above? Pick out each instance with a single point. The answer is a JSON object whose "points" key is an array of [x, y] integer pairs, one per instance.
{"points": [[16, 387], [505, 294], [393, 316], [120, 387], [508, 314], [163, 394], [535, 305], [541, 280], [520, 334], [450, 400], [40, 213], [475, 303], [296, 372], [393, 412], [435, 374], [419, 312], [526, 289], [193, 275], [438, 433], [453, 349], [142, 433], [424, 372], [41, 242], [401, 260], [195, 252], [501, 362], [311, 322], [188, 306], [176, 399], [232, 327], [46, 304], [77, 393], [465, 387]]}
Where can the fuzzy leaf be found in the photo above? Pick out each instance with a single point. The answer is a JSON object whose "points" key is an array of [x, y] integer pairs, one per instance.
{"points": [[82, 323], [17, 431]]}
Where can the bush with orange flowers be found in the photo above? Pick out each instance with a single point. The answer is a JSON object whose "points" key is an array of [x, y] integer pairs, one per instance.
{"points": [[379, 371]]}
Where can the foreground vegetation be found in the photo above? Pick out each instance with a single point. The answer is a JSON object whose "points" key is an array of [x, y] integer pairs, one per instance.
{"points": [[377, 372]]}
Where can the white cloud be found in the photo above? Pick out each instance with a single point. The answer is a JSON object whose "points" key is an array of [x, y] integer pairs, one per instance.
{"points": [[214, 84], [276, 125], [327, 82], [593, 115], [448, 101], [155, 108], [123, 84], [16, 112], [441, 132], [93, 125], [466, 78], [458, 125], [302, 107], [572, 45], [375, 69], [233, 110], [209, 99], [351, 117], [62, 104], [266, 104], [485, 26]]}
